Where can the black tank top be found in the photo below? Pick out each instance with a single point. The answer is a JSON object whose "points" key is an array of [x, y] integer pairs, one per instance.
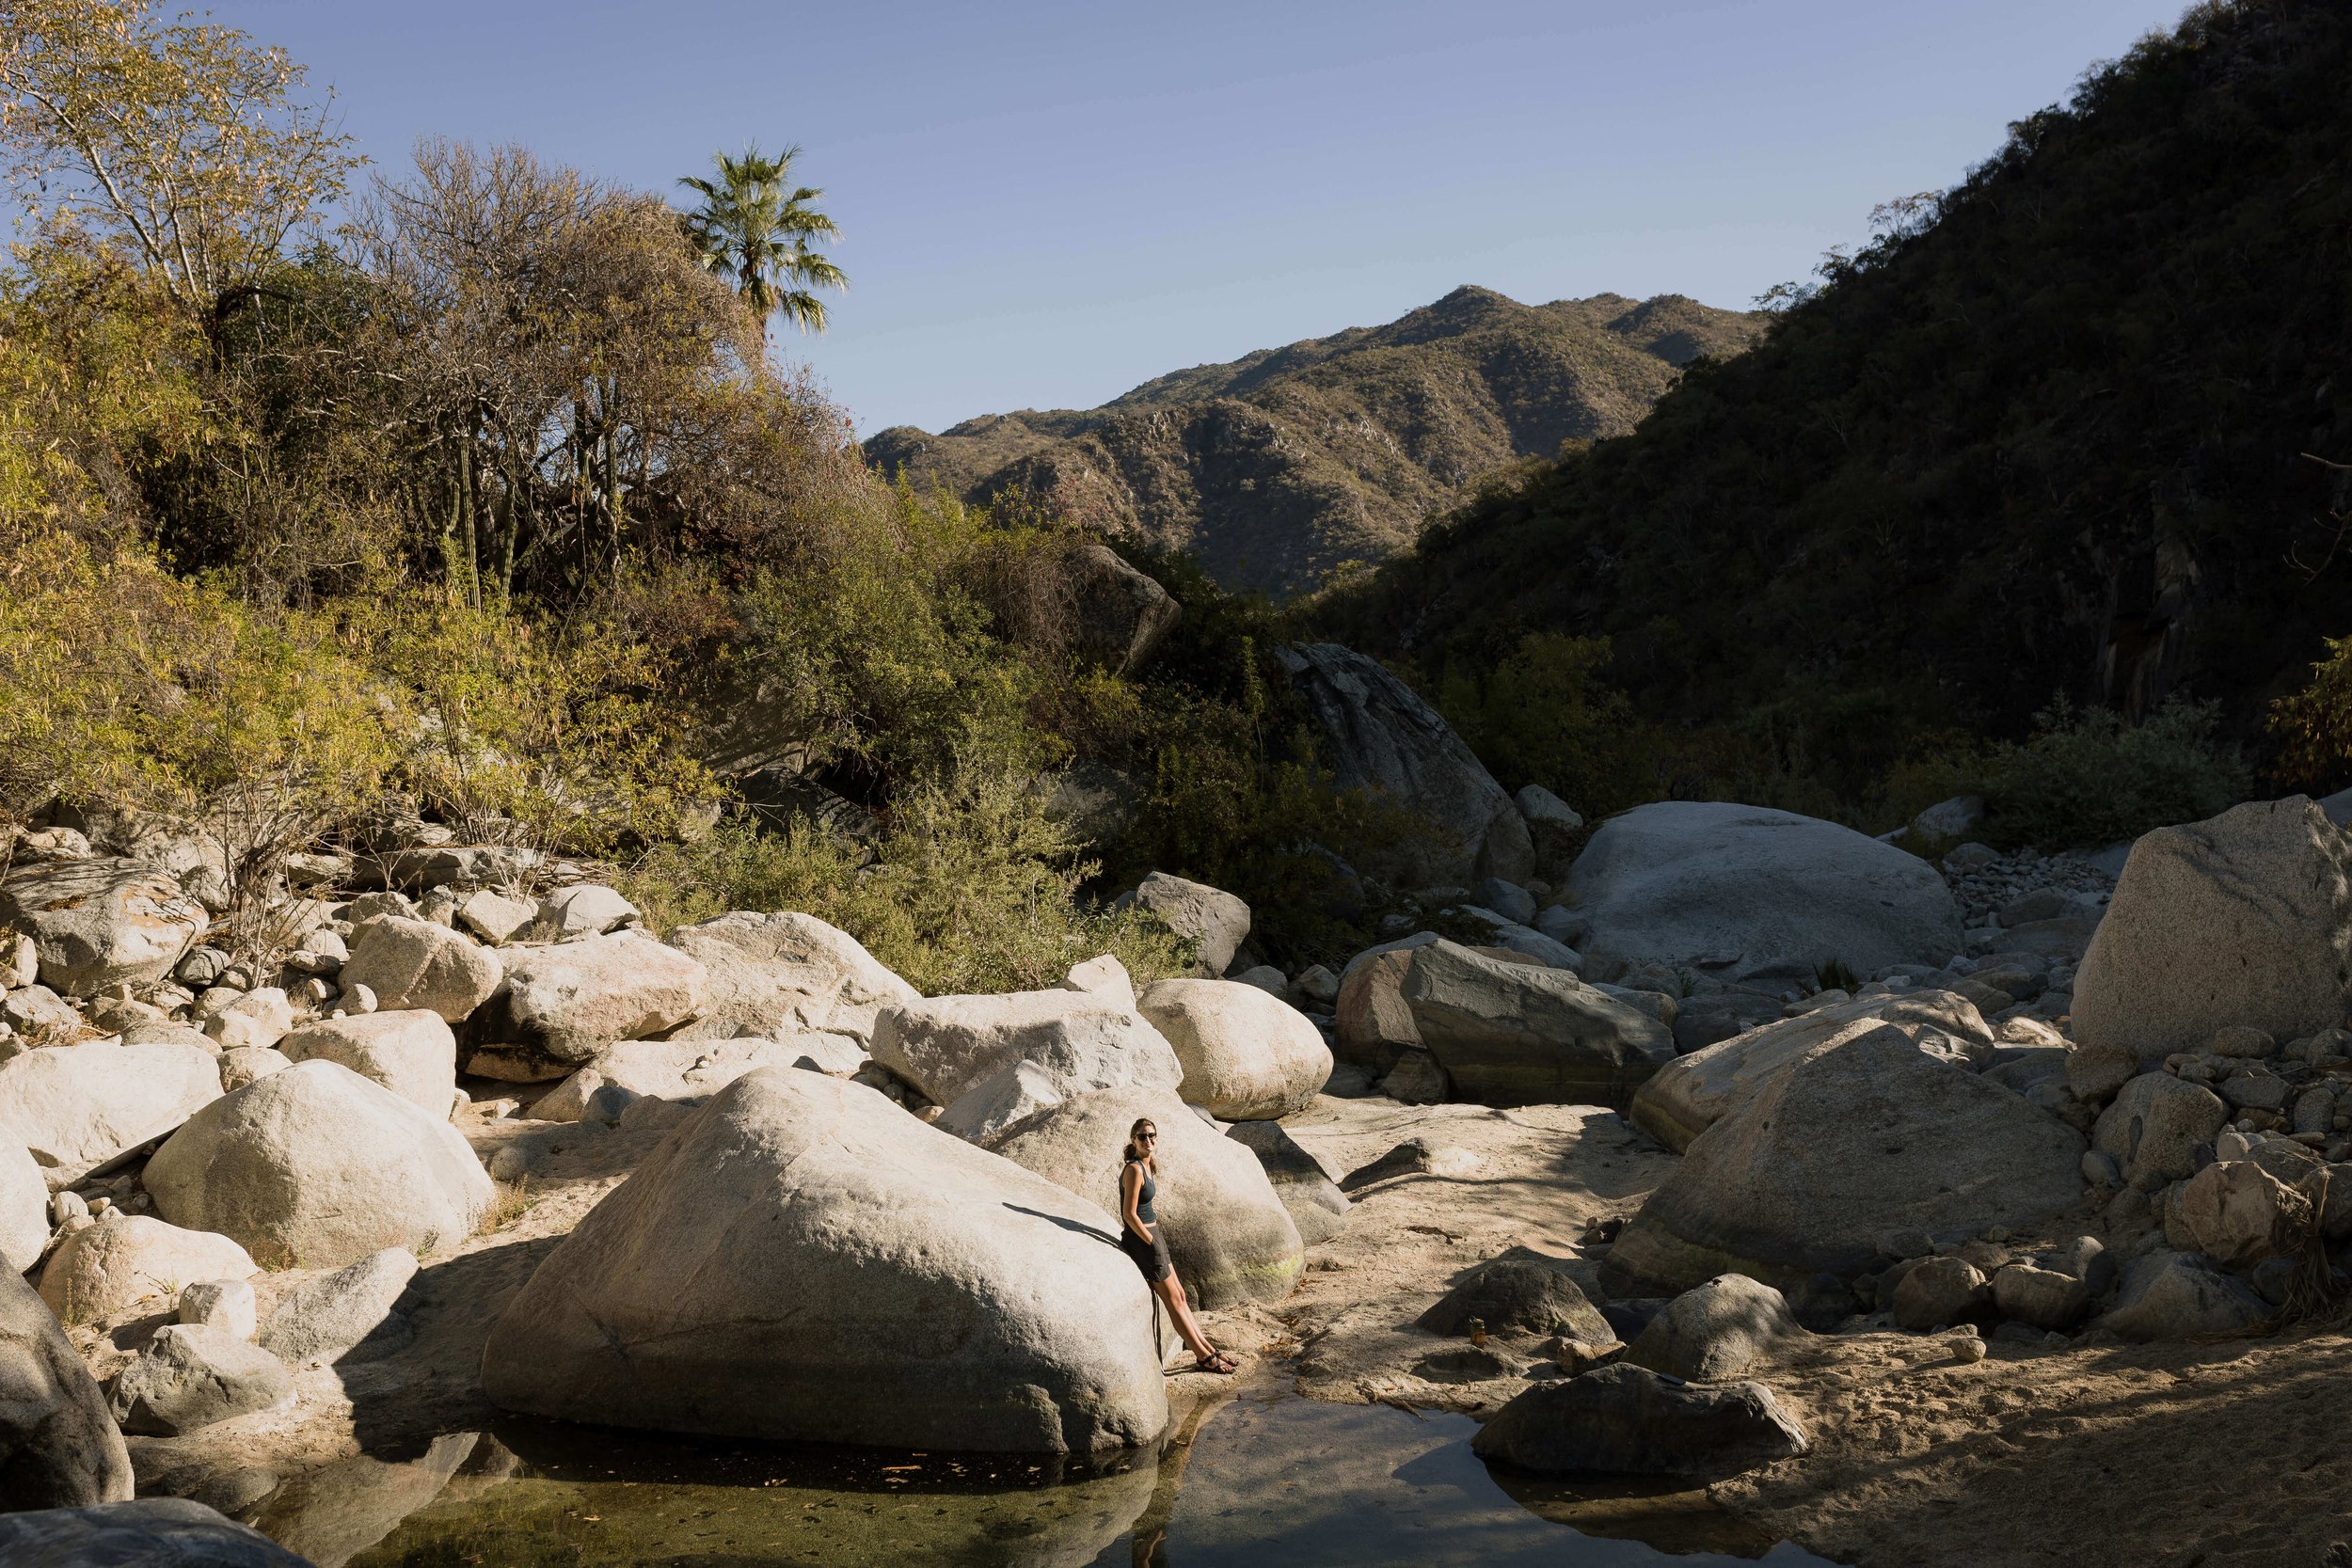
{"points": [[1143, 1198]]}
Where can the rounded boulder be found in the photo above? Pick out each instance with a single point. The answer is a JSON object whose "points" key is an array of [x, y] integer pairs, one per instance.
{"points": [[317, 1166], [1247, 1056], [411, 1053]]}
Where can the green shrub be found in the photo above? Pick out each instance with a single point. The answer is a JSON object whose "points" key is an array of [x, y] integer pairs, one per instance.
{"points": [[2090, 777], [1547, 715], [973, 889]]}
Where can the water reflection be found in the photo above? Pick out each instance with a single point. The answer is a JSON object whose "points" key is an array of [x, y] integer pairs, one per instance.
{"points": [[1256, 1481]]}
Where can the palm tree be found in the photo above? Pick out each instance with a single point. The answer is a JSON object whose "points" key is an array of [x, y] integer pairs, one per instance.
{"points": [[754, 229]]}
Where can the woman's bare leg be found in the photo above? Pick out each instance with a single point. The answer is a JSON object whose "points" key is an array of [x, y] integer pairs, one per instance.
{"points": [[1180, 1312]]}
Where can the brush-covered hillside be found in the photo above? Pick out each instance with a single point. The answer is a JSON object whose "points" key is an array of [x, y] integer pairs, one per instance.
{"points": [[1283, 465], [2077, 425]]}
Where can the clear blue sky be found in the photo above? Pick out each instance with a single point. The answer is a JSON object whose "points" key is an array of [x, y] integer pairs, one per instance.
{"points": [[1045, 204]]}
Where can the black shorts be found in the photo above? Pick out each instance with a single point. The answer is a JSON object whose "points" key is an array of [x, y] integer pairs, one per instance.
{"points": [[1151, 1259]]}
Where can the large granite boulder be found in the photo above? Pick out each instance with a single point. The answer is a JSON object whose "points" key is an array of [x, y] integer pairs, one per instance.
{"points": [[1227, 1231], [58, 1444], [1629, 1420], [1520, 1292], [566, 1003], [2156, 1126], [1383, 738], [23, 1205], [800, 1260], [1247, 1056], [1215, 922], [415, 963], [101, 922], [1739, 893], [946, 1046], [2243, 919], [1691, 1093], [151, 1532], [1520, 1033], [2178, 1295], [329, 1316], [1862, 1137], [673, 1070], [784, 977], [125, 1260], [1118, 615], [411, 1053], [317, 1166], [1372, 1023], [78, 1106]]}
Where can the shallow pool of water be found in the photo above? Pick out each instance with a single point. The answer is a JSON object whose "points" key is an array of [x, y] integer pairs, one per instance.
{"points": [[1263, 1479]]}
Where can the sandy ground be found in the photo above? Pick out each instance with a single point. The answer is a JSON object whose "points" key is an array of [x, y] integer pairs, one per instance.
{"points": [[2209, 1455]]}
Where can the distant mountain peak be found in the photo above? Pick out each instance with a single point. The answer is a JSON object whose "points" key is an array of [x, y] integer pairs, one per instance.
{"points": [[1277, 467]]}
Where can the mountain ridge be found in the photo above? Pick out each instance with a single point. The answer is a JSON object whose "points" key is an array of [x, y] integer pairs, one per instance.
{"points": [[1281, 466]]}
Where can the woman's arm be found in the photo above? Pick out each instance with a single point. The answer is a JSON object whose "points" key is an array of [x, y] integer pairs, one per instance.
{"points": [[1130, 1196]]}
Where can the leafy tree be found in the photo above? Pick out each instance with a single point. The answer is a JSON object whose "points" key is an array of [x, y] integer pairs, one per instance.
{"points": [[754, 229], [184, 143]]}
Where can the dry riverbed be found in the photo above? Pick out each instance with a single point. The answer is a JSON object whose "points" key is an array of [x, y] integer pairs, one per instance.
{"points": [[2214, 1454]]}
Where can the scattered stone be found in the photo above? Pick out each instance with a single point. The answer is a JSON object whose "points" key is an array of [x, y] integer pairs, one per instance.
{"points": [[406, 963], [1105, 976], [326, 1319], [566, 1003], [1413, 1157], [1716, 1331], [1315, 1203], [240, 1066], [1212, 921], [1247, 1056], [1416, 1079], [257, 1020], [1315, 986], [2231, 1210], [1739, 893], [1522, 1293], [1230, 1236], [100, 922], [1384, 738], [1967, 1348], [1862, 1137], [191, 1377], [2245, 919], [317, 1166], [77, 1107], [494, 917], [2046, 1298], [126, 1259], [410, 1052], [802, 1260], [2176, 1295], [58, 1444], [1629, 1420], [2154, 1126], [40, 1013], [1937, 1292], [227, 1305]]}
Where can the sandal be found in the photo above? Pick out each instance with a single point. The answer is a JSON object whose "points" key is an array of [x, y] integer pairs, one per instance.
{"points": [[1221, 1363]]}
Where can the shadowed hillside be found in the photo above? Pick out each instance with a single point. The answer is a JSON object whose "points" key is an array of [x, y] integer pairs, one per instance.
{"points": [[1283, 465]]}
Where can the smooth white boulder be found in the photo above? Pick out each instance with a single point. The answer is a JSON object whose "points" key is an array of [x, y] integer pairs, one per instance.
{"points": [[75, 1107], [800, 1260], [411, 1053], [316, 1166], [669, 1070], [1742, 893], [569, 1001], [125, 1259], [1247, 1056], [782, 976], [946, 1046], [1215, 922], [23, 1205], [1227, 1229], [415, 963], [256, 1020], [2243, 919]]}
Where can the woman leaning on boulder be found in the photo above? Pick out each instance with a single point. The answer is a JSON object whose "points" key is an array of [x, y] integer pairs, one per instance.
{"points": [[1140, 1238]]}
